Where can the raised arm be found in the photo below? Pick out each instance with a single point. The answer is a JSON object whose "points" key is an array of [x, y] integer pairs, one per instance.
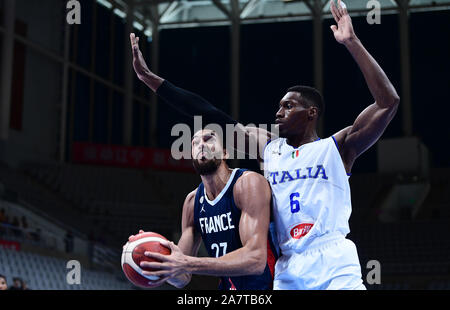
{"points": [[252, 196], [140, 66], [192, 104], [372, 122]]}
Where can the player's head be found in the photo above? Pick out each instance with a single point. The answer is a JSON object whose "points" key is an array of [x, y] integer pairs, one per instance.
{"points": [[207, 152], [300, 108], [3, 283]]}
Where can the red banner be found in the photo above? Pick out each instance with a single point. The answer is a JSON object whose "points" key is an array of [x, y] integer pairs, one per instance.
{"points": [[11, 245], [125, 156]]}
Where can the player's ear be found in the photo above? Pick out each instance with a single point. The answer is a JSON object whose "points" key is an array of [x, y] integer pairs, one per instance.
{"points": [[313, 112], [226, 155]]}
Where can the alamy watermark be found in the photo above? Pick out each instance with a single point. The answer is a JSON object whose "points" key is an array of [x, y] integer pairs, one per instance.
{"points": [[74, 274], [243, 140], [74, 12], [374, 275], [374, 15]]}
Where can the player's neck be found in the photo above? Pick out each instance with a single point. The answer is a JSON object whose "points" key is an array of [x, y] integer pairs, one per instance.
{"points": [[298, 140], [214, 183]]}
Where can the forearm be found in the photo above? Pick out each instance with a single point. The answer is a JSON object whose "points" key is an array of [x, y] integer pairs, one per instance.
{"points": [[237, 263], [152, 81], [189, 242], [191, 104], [379, 84]]}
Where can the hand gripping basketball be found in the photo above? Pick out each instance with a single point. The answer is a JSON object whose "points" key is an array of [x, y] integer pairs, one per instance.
{"points": [[133, 255]]}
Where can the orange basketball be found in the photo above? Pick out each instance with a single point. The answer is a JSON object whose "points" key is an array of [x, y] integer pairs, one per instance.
{"points": [[133, 255]]}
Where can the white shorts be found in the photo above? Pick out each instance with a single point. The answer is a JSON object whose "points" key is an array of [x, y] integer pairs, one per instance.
{"points": [[333, 265]]}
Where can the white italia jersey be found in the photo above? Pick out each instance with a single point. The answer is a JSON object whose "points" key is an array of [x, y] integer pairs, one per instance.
{"points": [[311, 205]]}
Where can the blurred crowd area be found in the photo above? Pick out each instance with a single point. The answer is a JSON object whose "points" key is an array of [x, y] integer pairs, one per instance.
{"points": [[402, 221]]}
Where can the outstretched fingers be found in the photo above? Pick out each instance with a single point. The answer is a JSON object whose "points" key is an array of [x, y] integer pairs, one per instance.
{"points": [[334, 11], [159, 273], [334, 28], [132, 39], [135, 46], [157, 256], [153, 265], [342, 8]]}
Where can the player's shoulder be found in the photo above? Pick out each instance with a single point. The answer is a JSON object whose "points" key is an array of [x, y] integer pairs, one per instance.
{"points": [[248, 174], [273, 143], [251, 186], [340, 136], [190, 198], [272, 148], [189, 207], [247, 181]]}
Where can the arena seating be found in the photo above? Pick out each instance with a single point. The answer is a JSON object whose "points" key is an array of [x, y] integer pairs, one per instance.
{"points": [[49, 273], [410, 246], [18, 186], [124, 200], [439, 285], [407, 252], [119, 201]]}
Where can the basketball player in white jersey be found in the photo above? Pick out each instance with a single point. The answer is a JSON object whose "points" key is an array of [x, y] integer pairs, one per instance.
{"points": [[308, 175]]}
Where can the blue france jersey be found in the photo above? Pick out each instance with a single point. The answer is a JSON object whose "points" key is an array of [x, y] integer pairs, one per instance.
{"points": [[218, 223]]}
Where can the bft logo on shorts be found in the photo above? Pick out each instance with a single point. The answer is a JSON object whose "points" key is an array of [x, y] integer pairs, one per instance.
{"points": [[301, 230]]}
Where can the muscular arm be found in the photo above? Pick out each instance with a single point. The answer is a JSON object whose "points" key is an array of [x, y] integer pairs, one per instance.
{"points": [[191, 104], [372, 122], [190, 240], [252, 196]]}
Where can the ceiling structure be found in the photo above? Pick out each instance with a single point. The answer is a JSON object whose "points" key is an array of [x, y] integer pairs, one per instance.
{"points": [[197, 13], [151, 16]]}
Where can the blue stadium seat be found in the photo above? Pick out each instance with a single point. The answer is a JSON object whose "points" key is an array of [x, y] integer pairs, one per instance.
{"points": [[49, 273]]}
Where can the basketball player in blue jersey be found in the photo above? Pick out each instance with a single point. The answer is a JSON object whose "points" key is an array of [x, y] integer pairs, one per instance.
{"points": [[230, 212], [308, 175]]}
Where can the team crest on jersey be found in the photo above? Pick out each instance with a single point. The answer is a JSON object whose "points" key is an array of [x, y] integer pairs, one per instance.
{"points": [[201, 199]]}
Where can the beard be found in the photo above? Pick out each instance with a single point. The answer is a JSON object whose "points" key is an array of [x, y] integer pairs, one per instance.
{"points": [[208, 167]]}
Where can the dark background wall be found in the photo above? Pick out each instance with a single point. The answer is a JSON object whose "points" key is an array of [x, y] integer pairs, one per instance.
{"points": [[273, 58]]}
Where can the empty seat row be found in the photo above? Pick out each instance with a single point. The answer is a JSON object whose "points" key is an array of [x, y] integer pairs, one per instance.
{"points": [[50, 273]]}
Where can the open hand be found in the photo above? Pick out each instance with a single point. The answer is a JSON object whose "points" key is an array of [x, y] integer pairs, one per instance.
{"points": [[139, 64], [343, 32]]}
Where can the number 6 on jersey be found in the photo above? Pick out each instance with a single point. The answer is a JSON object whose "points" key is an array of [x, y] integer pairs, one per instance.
{"points": [[295, 204]]}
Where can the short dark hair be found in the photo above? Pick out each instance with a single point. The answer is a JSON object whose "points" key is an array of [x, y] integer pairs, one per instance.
{"points": [[310, 96], [2, 276]]}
